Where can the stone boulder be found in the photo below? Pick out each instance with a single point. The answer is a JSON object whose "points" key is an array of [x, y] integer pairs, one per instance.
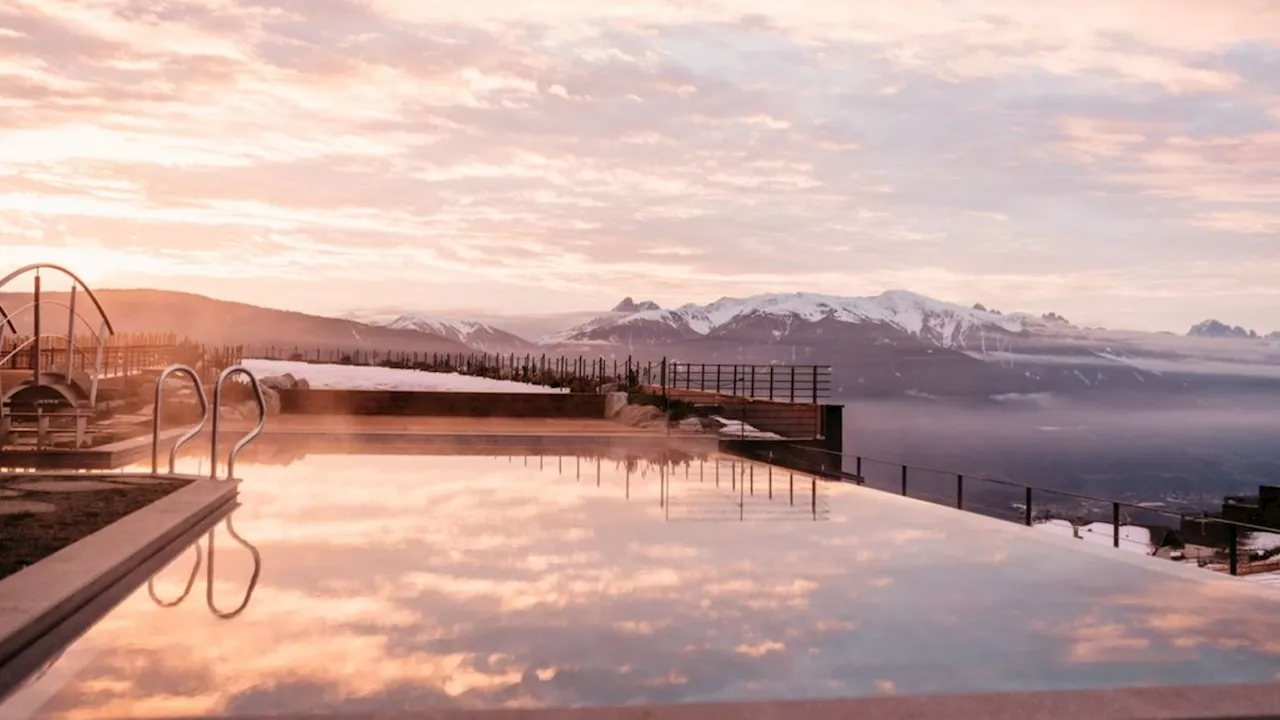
{"points": [[614, 402], [279, 382], [641, 416], [273, 400]]}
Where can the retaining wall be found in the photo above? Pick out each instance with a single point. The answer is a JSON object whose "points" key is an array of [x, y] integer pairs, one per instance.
{"points": [[443, 404]]}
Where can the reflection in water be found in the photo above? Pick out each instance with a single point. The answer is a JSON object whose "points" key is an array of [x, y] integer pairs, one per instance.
{"points": [[708, 489], [404, 583], [209, 580]]}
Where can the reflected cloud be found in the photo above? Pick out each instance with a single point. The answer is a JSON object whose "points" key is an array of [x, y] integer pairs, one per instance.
{"points": [[431, 582]]}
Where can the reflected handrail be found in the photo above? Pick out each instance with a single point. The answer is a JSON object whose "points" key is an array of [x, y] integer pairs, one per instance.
{"points": [[209, 572], [253, 580], [217, 407], [191, 581], [155, 421]]}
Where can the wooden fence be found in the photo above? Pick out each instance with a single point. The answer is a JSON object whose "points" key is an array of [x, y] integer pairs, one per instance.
{"points": [[122, 355]]}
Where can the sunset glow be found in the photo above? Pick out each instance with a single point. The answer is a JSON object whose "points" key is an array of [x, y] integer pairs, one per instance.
{"points": [[1112, 161]]}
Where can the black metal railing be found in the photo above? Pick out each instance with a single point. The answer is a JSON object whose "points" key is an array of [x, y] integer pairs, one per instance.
{"points": [[777, 383], [1235, 547]]}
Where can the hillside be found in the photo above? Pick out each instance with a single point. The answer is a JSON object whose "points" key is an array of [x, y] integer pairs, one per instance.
{"points": [[220, 322]]}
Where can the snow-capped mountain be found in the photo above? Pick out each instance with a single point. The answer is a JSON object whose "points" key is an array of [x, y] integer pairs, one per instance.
{"points": [[479, 336], [1215, 329], [774, 318], [631, 306]]}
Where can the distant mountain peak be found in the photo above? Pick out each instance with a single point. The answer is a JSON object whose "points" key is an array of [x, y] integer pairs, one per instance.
{"points": [[934, 321], [628, 305], [1215, 329], [479, 336]]}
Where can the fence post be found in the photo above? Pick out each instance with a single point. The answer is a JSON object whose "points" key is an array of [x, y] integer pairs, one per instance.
{"points": [[857, 466], [771, 382], [959, 492], [1028, 506], [752, 391], [793, 384], [815, 384], [1115, 524], [904, 479]]}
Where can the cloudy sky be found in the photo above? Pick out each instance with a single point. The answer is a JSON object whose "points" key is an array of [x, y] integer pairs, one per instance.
{"points": [[1112, 160]]}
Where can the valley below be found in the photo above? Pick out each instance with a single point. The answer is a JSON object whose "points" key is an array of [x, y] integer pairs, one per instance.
{"points": [[1185, 455]]}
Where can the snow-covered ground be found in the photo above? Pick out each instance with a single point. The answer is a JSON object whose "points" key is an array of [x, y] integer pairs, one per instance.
{"points": [[739, 429], [355, 377], [1132, 538]]}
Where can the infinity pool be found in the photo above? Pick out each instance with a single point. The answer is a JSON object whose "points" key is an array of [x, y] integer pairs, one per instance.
{"points": [[399, 582]]}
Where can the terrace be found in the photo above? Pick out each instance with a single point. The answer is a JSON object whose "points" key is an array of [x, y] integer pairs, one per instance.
{"points": [[375, 552]]}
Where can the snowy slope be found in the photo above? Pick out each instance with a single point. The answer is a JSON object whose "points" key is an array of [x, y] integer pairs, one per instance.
{"points": [[942, 323], [354, 377]]}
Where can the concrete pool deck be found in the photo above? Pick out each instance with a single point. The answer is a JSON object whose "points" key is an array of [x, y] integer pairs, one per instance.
{"points": [[38, 598]]}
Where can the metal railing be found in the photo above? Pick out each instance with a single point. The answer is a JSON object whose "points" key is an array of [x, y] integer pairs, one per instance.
{"points": [[1031, 505], [809, 384], [204, 416], [155, 422], [217, 406]]}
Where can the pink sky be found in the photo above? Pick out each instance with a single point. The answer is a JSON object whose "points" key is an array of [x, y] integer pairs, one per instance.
{"points": [[1112, 160]]}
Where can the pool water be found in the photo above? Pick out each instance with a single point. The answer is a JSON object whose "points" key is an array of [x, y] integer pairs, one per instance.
{"points": [[401, 582]]}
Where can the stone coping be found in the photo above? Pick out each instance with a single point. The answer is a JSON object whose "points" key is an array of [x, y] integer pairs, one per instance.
{"points": [[36, 599], [1212, 702]]}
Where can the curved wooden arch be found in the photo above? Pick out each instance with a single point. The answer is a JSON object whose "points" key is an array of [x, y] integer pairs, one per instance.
{"points": [[8, 320], [76, 278], [96, 334]]}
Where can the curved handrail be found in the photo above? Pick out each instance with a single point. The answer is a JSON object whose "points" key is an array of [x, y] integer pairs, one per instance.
{"points": [[191, 581], [36, 266], [217, 407], [58, 303], [4, 315], [155, 421], [31, 340], [253, 580]]}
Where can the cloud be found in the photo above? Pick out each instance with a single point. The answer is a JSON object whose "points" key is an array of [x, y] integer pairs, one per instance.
{"points": [[686, 151]]}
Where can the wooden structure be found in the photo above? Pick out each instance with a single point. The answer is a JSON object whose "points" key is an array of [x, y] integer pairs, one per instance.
{"points": [[49, 380]]}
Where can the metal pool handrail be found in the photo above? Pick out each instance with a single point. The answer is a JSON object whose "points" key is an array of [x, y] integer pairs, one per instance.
{"points": [[217, 406], [155, 422]]}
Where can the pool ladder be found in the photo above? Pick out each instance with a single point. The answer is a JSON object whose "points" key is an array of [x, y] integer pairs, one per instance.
{"points": [[204, 417]]}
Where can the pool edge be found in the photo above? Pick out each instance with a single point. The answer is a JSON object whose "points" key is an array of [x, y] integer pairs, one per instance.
{"points": [[1204, 702], [38, 598]]}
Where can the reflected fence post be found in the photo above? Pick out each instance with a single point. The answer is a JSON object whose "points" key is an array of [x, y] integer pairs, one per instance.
{"points": [[1028, 517], [1233, 549], [959, 492]]}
